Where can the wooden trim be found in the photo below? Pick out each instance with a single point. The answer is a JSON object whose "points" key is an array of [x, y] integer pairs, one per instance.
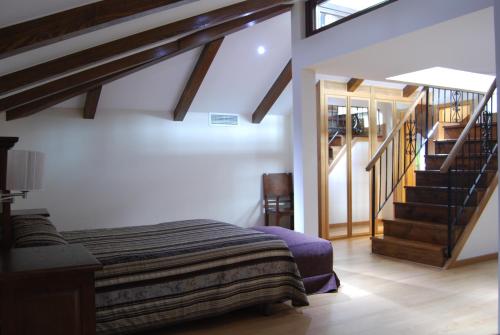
{"points": [[199, 72], [457, 148], [44, 96], [77, 60], [323, 168], [91, 102], [473, 260], [408, 90], [348, 143], [353, 84], [469, 228], [74, 22], [394, 132], [273, 94]]}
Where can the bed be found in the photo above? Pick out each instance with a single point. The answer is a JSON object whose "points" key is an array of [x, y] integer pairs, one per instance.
{"points": [[163, 274]]}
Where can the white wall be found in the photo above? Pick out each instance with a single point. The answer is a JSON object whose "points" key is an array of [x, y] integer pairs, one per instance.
{"points": [[133, 167], [484, 237]]}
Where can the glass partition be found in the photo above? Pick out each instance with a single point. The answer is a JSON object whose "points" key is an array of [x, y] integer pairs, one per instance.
{"points": [[360, 157], [338, 178]]}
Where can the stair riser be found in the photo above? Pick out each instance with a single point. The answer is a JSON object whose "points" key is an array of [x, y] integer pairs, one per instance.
{"points": [[441, 179], [468, 147], [434, 258], [438, 196], [454, 133], [435, 163], [428, 213], [417, 232]]}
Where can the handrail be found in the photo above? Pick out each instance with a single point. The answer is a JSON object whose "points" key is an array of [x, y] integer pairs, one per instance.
{"points": [[333, 137], [472, 123], [394, 132]]}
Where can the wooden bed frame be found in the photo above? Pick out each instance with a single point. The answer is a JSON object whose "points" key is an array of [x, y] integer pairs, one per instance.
{"points": [[6, 143]]}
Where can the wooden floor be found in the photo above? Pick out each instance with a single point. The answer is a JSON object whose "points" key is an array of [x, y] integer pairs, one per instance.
{"points": [[378, 296]]}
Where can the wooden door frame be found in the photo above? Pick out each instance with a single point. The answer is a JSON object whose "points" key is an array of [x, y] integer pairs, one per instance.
{"points": [[326, 88]]}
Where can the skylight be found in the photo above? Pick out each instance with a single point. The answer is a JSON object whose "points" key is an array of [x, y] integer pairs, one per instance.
{"points": [[445, 77]]}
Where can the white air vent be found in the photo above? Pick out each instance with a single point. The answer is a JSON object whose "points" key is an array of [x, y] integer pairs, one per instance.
{"points": [[225, 120]]}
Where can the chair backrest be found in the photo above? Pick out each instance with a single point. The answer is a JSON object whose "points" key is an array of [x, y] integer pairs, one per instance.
{"points": [[277, 185]]}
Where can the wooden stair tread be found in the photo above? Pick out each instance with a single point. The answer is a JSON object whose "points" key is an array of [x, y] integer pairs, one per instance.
{"points": [[455, 125], [410, 243], [472, 154], [428, 224], [451, 140], [461, 171], [421, 204], [441, 188]]}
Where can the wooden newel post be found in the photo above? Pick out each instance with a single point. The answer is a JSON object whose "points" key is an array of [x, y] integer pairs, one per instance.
{"points": [[6, 229]]}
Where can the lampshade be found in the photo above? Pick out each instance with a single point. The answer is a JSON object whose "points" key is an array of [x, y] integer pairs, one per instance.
{"points": [[24, 170]]}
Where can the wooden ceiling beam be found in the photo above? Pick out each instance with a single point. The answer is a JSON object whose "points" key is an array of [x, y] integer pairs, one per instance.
{"points": [[25, 103], [193, 85], [91, 102], [54, 99], [408, 90], [353, 84], [73, 22], [273, 94], [75, 61]]}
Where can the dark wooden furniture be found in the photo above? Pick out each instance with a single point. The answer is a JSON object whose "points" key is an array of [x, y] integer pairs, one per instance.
{"points": [[6, 143], [278, 197], [48, 290]]}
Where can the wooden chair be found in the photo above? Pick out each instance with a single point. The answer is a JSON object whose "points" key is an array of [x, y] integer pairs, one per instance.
{"points": [[278, 197]]}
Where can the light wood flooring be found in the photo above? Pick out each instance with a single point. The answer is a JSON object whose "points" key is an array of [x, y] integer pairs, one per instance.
{"points": [[378, 296]]}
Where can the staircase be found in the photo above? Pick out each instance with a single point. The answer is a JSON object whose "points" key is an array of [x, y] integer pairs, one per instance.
{"points": [[419, 231], [440, 203]]}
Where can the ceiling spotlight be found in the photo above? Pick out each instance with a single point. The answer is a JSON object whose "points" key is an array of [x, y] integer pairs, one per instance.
{"points": [[261, 50]]}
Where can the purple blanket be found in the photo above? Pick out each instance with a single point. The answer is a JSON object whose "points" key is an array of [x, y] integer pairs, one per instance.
{"points": [[314, 258]]}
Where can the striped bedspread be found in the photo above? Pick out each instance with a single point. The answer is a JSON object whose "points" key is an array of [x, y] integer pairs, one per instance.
{"points": [[172, 272]]}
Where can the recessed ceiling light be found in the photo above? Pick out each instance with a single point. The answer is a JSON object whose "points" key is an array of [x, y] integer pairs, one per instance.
{"points": [[261, 50], [449, 78]]}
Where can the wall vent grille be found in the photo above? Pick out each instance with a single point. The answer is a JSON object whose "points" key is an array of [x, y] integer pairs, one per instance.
{"points": [[224, 120]]}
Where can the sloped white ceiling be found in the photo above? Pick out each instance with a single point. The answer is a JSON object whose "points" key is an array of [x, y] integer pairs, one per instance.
{"points": [[465, 43], [236, 83]]}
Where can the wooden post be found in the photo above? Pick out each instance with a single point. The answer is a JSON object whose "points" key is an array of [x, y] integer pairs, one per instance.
{"points": [[5, 144]]}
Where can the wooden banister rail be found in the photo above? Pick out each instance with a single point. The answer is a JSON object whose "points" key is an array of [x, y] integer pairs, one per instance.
{"points": [[394, 132], [463, 136]]}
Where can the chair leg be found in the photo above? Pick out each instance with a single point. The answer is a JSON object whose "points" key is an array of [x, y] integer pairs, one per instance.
{"points": [[266, 219], [292, 223]]}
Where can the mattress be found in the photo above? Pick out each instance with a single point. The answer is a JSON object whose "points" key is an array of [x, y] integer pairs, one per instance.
{"points": [[168, 273]]}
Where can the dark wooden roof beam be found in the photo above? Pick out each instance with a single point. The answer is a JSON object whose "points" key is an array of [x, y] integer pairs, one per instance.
{"points": [[193, 85], [73, 22], [273, 94], [75, 61], [408, 90], [91, 102], [353, 84], [44, 96]]}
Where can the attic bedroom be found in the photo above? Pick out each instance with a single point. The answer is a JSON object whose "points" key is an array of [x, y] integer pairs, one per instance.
{"points": [[247, 167]]}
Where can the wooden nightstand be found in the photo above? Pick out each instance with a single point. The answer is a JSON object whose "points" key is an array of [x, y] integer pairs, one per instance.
{"points": [[48, 290]]}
